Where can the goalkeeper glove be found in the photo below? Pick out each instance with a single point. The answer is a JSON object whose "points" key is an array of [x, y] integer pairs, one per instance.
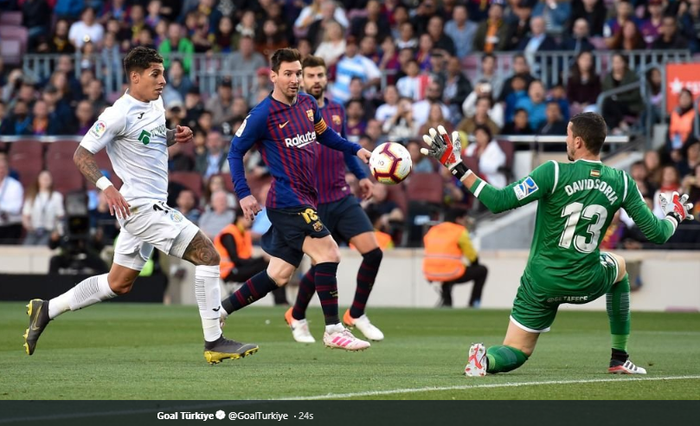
{"points": [[446, 151], [676, 206]]}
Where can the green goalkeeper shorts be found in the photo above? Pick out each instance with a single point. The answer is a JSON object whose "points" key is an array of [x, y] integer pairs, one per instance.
{"points": [[535, 307]]}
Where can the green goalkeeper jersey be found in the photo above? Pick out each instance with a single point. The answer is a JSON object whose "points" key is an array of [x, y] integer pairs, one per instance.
{"points": [[577, 203]]}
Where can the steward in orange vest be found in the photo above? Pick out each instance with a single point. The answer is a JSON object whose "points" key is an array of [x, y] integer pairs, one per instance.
{"points": [[235, 247], [445, 244], [682, 119]]}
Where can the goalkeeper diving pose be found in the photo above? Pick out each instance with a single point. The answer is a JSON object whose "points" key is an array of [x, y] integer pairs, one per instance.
{"points": [[577, 202]]}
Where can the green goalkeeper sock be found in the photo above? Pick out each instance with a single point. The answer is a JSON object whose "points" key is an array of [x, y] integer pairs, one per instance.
{"points": [[618, 306], [504, 358]]}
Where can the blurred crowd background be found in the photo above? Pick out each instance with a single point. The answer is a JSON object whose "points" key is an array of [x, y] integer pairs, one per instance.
{"points": [[489, 69]]}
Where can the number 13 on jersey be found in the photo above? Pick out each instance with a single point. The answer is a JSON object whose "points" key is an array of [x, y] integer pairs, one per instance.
{"points": [[595, 213]]}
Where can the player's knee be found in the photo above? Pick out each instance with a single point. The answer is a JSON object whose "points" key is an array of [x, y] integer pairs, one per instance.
{"points": [[373, 257], [122, 286], [332, 255], [279, 279], [621, 267]]}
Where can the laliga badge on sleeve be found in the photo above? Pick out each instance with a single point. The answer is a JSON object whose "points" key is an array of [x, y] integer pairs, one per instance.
{"points": [[525, 188]]}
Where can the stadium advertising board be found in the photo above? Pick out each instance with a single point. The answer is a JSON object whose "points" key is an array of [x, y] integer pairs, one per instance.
{"points": [[678, 77]]}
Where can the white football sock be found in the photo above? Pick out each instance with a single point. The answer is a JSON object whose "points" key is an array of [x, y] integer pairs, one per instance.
{"points": [[208, 295], [334, 328], [88, 292]]}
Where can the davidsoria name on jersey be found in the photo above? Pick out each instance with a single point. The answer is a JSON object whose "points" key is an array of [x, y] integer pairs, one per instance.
{"points": [[588, 184], [300, 141]]}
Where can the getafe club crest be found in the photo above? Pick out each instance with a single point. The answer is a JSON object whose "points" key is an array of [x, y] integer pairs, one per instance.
{"points": [[310, 114]]}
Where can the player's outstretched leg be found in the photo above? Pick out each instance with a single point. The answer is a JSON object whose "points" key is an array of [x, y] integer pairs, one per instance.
{"points": [[618, 307], [296, 315], [497, 359], [88, 292], [366, 275]]}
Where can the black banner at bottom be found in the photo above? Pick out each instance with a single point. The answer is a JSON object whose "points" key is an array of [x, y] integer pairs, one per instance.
{"points": [[432, 413]]}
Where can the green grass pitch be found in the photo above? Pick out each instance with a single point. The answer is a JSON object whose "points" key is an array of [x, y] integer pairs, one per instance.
{"points": [[133, 351]]}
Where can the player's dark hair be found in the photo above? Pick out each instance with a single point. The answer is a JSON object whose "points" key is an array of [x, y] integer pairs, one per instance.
{"points": [[283, 55], [313, 61], [454, 213], [591, 128], [140, 58]]}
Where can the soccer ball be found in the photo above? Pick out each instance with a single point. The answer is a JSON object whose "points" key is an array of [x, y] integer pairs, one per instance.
{"points": [[390, 163]]}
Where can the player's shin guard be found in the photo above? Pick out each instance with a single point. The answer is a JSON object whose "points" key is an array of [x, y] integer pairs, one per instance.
{"points": [[254, 289], [88, 292], [365, 281], [502, 359], [307, 288], [618, 307], [327, 289], [208, 295]]}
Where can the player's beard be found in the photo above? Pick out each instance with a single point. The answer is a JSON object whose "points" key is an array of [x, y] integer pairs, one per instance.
{"points": [[317, 92]]}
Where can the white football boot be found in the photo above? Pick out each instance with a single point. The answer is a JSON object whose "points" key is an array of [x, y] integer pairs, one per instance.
{"points": [[364, 325], [300, 328], [477, 362], [340, 337]]}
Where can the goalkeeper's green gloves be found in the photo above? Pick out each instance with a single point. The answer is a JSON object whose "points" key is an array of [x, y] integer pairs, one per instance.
{"points": [[446, 151]]}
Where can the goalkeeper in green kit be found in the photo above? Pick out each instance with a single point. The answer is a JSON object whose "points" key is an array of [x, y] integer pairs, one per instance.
{"points": [[577, 202]]}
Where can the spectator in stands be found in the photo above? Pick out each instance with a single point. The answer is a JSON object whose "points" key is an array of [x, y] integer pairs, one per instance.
{"points": [[640, 175], [691, 158], [187, 204], [421, 163], [438, 66], [178, 160], [584, 85], [374, 16], [691, 186], [154, 13], [520, 124], [270, 39], [397, 17], [401, 126], [217, 216], [483, 90], [388, 210], [624, 13], [461, 30], [355, 123], [670, 183], [388, 108], [445, 244], [579, 40], [652, 161], [555, 124], [42, 211], [421, 109], [19, 122], [194, 106], [593, 11], [36, 18], [556, 14], [246, 59], [11, 198], [534, 104], [178, 81], [57, 41], [521, 68], [414, 84], [60, 110], [487, 72], [490, 156], [407, 37], [220, 104], [518, 92], [85, 117], [368, 104], [224, 36], [690, 22], [352, 64], [520, 24], [669, 36], [176, 44], [333, 45], [435, 118], [217, 183], [629, 38], [115, 9], [680, 128], [629, 103], [492, 34], [87, 29], [389, 62], [245, 28], [650, 28], [457, 88], [539, 41], [425, 48], [375, 134], [441, 41], [481, 117], [215, 160]]}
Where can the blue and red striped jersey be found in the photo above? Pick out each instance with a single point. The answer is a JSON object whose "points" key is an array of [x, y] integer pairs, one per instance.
{"points": [[286, 137], [330, 166]]}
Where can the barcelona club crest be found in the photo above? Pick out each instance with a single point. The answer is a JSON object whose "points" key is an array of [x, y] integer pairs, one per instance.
{"points": [[336, 120], [318, 226], [310, 114]]}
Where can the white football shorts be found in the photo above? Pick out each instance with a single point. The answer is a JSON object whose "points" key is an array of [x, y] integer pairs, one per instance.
{"points": [[152, 224]]}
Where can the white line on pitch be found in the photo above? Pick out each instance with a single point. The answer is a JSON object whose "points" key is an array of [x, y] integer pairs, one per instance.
{"points": [[488, 386]]}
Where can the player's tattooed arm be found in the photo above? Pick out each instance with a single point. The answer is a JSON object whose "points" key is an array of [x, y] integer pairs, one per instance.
{"points": [[85, 160], [170, 137]]}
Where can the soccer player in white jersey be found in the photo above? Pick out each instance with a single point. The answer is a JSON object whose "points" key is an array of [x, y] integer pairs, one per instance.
{"points": [[134, 134]]}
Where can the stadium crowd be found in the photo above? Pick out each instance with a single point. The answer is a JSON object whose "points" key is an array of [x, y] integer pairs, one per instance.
{"points": [[417, 50]]}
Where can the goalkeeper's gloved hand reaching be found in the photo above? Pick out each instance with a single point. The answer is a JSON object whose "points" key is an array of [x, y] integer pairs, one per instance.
{"points": [[676, 206], [446, 151]]}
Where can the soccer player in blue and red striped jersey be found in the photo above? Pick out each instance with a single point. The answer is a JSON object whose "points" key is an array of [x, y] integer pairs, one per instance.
{"points": [[340, 212], [286, 126]]}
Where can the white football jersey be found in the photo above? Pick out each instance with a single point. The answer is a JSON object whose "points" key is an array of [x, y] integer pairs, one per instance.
{"points": [[134, 134]]}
